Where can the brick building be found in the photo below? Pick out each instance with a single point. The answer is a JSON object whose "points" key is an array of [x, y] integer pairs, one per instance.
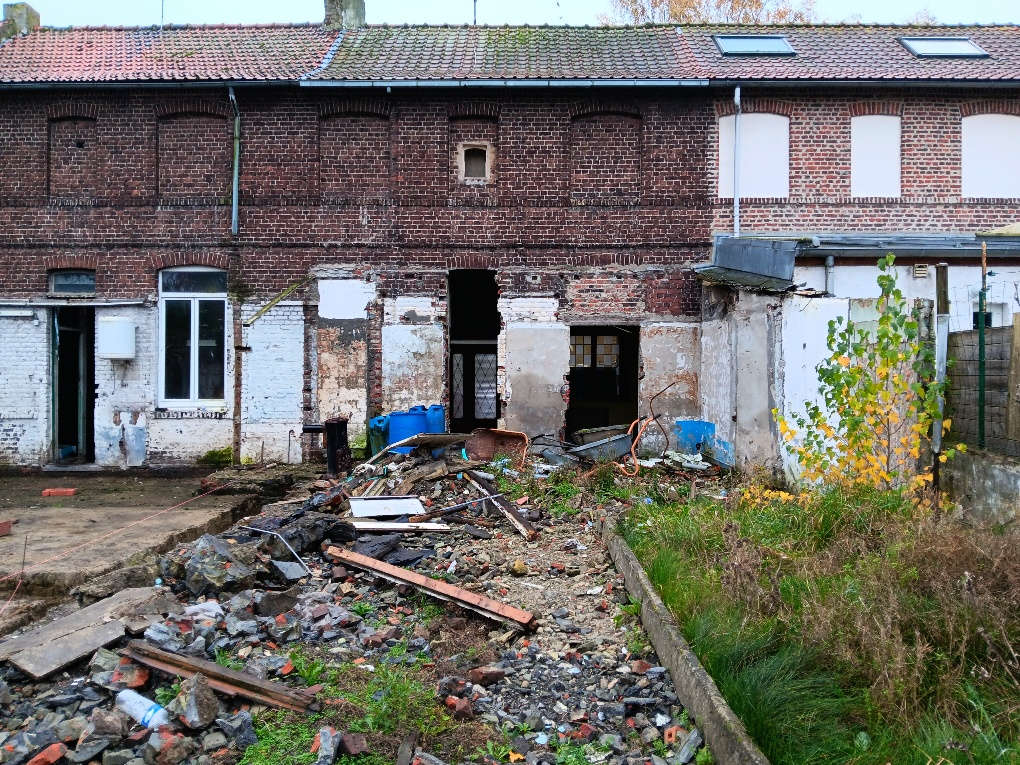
{"points": [[212, 235]]}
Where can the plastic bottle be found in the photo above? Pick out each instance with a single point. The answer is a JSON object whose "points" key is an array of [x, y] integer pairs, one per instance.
{"points": [[142, 710]]}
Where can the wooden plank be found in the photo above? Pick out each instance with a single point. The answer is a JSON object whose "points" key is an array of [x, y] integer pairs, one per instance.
{"points": [[123, 603], [227, 681], [438, 589], [46, 658], [523, 527], [1013, 401], [368, 526]]}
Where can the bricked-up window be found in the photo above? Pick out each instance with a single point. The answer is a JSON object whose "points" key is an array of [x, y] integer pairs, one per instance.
{"points": [[195, 157], [875, 156], [764, 155], [192, 347], [72, 158], [354, 156], [991, 161], [605, 158]]}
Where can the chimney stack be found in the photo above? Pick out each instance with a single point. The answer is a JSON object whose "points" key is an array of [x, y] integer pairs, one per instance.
{"points": [[19, 19], [345, 14]]}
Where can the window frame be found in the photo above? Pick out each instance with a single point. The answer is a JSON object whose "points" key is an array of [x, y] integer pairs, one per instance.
{"points": [[721, 39], [490, 152], [52, 291], [193, 298], [908, 43]]}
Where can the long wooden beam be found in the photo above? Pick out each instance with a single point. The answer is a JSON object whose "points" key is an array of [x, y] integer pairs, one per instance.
{"points": [[493, 609], [226, 681], [523, 527]]}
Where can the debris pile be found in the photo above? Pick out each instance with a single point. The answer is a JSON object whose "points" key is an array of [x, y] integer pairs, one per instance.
{"points": [[530, 640]]}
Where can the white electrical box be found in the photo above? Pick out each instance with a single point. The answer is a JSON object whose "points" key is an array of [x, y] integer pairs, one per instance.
{"points": [[115, 338]]}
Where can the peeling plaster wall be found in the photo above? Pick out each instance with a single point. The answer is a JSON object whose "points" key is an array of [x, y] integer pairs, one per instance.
{"points": [[413, 365], [343, 372], [536, 359], [717, 379], [24, 385], [341, 367], [125, 393], [413, 352], [755, 335], [670, 351], [273, 378]]}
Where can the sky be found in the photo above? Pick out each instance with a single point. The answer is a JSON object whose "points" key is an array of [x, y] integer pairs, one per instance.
{"points": [[144, 12]]}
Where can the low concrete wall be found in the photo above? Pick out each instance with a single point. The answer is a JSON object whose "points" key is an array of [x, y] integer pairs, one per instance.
{"points": [[724, 732], [986, 485]]}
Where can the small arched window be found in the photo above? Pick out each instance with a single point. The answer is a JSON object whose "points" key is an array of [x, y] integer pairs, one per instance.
{"points": [[193, 334]]}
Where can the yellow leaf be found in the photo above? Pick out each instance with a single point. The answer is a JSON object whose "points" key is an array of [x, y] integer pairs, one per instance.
{"points": [[514, 757]]}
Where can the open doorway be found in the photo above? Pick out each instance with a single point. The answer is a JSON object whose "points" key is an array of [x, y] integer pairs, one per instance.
{"points": [[74, 389], [474, 327], [603, 377]]}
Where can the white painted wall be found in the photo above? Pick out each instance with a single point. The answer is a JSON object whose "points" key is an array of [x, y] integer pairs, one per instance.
{"points": [[764, 155], [24, 385], [859, 281], [125, 391], [875, 156], [273, 381], [344, 298], [805, 327], [990, 155]]}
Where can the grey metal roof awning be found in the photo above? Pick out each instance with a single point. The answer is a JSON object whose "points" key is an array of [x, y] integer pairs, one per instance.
{"points": [[756, 264]]}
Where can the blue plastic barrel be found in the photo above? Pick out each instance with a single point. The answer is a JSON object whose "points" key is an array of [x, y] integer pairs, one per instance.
{"points": [[404, 425], [435, 421]]}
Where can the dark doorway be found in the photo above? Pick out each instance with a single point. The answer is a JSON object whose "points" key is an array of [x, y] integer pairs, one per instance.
{"points": [[603, 377], [474, 327], [74, 389]]}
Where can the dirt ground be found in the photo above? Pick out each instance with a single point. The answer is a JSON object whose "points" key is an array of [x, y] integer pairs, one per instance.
{"points": [[98, 519]]}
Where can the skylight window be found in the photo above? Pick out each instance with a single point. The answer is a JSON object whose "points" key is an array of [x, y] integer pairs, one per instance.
{"points": [[754, 45], [944, 47]]}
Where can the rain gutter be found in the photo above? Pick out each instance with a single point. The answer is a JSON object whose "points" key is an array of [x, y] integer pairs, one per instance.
{"points": [[509, 83]]}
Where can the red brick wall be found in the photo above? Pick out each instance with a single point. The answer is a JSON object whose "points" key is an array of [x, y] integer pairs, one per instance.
{"points": [[366, 181], [820, 166], [72, 153], [354, 156], [195, 158], [605, 158]]}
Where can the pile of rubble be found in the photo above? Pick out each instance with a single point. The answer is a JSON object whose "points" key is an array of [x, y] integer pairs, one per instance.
{"points": [[540, 655]]}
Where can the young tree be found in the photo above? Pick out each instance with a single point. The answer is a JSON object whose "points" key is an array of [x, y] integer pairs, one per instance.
{"points": [[711, 11]]}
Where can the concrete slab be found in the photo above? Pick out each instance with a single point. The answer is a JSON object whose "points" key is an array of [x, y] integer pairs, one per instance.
{"points": [[102, 526]]}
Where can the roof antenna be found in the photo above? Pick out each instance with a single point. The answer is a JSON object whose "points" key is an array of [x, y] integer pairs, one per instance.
{"points": [[475, 22], [162, 13]]}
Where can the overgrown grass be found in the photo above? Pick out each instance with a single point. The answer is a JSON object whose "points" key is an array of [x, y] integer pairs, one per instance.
{"points": [[854, 630], [283, 737]]}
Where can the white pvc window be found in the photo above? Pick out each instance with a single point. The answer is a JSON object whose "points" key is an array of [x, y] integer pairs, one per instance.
{"points": [[990, 156], [875, 156], [192, 337], [764, 155]]}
